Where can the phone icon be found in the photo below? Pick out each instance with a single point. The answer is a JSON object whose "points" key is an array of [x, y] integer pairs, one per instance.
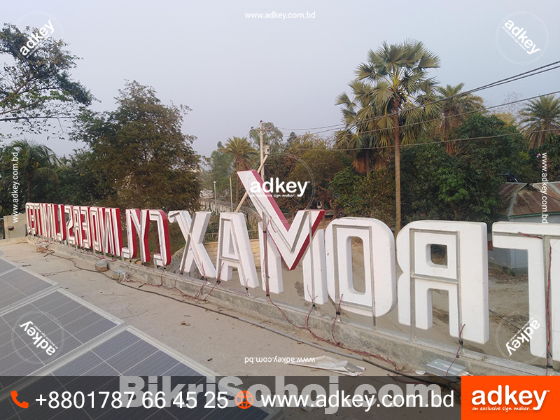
{"points": [[19, 404]]}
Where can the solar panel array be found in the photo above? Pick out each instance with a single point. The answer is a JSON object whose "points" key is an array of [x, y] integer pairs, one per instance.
{"points": [[47, 331], [17, 285]]}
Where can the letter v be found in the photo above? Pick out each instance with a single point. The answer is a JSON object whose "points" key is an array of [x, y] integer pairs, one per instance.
{"points": [[291, 241]]}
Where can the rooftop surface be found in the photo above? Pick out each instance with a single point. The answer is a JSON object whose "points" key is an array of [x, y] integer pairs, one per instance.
{"points": [[205, 332]]}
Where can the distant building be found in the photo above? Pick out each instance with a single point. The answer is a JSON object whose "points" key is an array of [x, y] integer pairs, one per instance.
{"points": [[522, 202]]}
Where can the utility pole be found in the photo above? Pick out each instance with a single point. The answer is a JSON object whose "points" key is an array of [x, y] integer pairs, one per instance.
{"points": [[230, 194], [215, 199], [261, 131]]}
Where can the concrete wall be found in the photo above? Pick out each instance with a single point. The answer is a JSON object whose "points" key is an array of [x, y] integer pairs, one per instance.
{"points": [[14, 226]]}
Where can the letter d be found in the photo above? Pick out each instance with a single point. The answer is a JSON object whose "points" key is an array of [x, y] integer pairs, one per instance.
{"points": [[450, 396]]}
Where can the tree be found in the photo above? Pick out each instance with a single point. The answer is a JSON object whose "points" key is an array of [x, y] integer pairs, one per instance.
{"points": [[37, 87], [139, 152], [463, 186], [369, 195], [454, 106], [317, 163], [361, 117], [78, 182], [221, 169], [242, 152], [400, 87], [291, 138], [273, 137], [541, 120], [34, 162]]}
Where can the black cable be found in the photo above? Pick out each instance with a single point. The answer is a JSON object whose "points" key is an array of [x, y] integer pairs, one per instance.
{"points": [[500, 82]]}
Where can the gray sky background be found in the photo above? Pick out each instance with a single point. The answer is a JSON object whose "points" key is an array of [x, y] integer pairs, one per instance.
{"points": [[234, 71]]}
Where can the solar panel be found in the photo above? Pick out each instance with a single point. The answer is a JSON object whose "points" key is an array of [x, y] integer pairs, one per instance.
{"points": [[18, 285], [42, 331], [125, 354], [5, 265], [53, 333]]}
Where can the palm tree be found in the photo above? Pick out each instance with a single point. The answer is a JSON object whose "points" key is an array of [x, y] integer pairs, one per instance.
{"points": [[356, 135], [541, 120], [453, 109], [35, 161], [401, 92], [242, 152]]}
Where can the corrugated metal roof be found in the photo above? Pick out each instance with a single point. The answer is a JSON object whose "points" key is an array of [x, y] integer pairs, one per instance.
{"points": [[520, 199]]}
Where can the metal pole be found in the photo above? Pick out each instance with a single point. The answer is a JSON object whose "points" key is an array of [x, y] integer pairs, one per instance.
{"points": [[215, 199], [246, 193], [230, 194], [262, 148]]}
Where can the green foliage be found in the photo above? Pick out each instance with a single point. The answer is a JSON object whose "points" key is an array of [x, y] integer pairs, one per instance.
{"points": [[321, 162], [371, 195], [221, 168], [455, 109], [531, 162], [36, 163], [242, 154], [37, 88], [273, 137], [139, 154], [541, 120], [77, 184], [463, 186]]}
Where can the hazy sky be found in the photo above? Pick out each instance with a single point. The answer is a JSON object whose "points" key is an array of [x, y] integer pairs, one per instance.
{"points": [[234, 71]]}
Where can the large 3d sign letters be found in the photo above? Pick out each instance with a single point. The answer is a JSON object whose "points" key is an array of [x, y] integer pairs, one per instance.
{"points": [[85, 227], [234, 250], [380, 294], [60, 223], [164, 257], [271, 276], [77, 216], [111, 232], [194, 253], [31, 226], [137, 226], [542, 243], [291, 241], [327, 257], [95, 230], [465, 277], [69, 210], [315, 270]]}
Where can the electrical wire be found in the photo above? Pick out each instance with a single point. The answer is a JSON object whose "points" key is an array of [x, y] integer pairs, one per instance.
{"points": [[520, 76]]}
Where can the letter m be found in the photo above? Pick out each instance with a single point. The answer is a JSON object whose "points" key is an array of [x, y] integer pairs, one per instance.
{"points": [[291, 241]]}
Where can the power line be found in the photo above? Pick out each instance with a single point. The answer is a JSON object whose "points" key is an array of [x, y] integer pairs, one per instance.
{"points": [[529, 73], [459, 114], [439, 142]]}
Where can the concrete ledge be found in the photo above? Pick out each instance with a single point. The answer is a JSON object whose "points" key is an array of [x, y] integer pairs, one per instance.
{"points": [[393, 345], [12, 241]]}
